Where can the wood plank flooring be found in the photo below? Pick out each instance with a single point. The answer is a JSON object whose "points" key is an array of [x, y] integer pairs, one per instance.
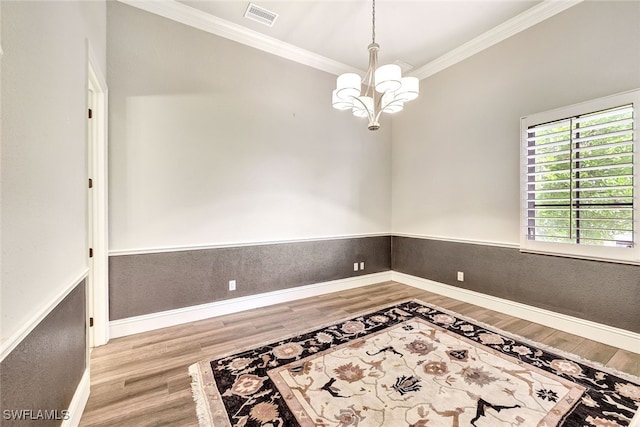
{"points": [[143, 380]]}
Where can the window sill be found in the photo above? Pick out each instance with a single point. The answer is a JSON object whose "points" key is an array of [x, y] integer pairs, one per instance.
{"points": [[585, 257]]}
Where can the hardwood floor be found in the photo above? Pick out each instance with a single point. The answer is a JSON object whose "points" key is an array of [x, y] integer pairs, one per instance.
{"points": [[143, 380]]}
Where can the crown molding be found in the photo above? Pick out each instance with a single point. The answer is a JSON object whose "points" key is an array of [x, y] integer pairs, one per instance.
{"points": [[195, 18], [521, 22], [179, 12]]}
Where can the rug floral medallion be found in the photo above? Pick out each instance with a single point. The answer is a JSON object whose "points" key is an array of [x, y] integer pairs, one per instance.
{"points": [[410, 364]]}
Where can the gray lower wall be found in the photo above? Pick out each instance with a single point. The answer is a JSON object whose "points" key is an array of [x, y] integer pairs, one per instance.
{"points": [[44, 370], [602, 292], [149, 283]]}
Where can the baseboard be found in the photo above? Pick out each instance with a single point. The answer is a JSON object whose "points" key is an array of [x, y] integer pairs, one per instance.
{"points": [[78, 402], [610, 335], [616, 337], [149, 322]]}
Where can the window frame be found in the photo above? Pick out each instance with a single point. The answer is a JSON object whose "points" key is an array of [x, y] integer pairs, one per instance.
{"points": [[576, 250]]}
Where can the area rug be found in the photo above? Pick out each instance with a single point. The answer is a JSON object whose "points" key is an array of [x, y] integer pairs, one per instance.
{"points": [[409, 364]]}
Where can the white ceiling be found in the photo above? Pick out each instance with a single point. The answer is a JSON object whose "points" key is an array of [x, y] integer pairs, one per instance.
{"points": [[414, 31], [333, 35]]}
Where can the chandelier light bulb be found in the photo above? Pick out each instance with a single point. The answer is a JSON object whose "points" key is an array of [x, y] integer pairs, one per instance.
{"points": [[348, 86], [409, 89], [388, 78], [340, 104]]}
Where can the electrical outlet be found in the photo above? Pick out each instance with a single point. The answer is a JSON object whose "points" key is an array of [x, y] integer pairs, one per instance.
{"points": [[232, 285], [355, 266], [460, 276], [362, 265]]}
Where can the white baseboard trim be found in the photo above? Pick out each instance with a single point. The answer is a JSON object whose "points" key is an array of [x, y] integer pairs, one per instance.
{"points": [[149, 322], [16, 338], [78, 402], [610, 335]]}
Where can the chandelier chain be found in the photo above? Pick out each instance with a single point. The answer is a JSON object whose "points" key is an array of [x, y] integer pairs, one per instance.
{"points": [[373, 21]]}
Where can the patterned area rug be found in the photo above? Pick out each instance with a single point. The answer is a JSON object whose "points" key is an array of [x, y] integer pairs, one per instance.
{"points": [[410, 364]]}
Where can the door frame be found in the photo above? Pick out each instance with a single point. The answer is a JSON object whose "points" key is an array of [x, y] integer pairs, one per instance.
{"points": [[97, 221]]}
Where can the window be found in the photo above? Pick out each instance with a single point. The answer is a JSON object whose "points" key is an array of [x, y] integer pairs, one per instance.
{"points": [[579, 181]]}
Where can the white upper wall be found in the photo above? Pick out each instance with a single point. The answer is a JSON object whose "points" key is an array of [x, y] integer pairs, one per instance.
{"points": [[213, 142], [44, 156], [455, 171]]}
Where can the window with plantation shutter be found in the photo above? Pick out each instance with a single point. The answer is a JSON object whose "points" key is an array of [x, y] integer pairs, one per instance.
{"points": [[580, 180]]}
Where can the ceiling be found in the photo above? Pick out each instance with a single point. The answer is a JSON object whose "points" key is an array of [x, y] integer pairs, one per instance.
{"points": [[333, 35], [415, 32]]}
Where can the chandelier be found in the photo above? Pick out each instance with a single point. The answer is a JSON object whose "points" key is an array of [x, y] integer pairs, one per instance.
{"points": [[385, 90]]}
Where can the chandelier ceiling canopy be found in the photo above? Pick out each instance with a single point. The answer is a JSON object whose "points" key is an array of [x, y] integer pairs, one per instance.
{"points": [[382, 90]]}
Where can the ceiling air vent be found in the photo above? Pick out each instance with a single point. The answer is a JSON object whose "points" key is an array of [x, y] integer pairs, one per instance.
{"points": [[260, 14]]}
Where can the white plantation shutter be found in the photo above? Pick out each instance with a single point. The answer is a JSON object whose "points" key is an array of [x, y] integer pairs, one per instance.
{"points": [[580, 180]]}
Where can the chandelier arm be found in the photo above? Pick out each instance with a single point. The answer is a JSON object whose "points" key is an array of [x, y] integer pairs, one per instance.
{"points": [[379, 108], [355, 98], [369, 84], [371, 114], [382, 107], [369, 77]]}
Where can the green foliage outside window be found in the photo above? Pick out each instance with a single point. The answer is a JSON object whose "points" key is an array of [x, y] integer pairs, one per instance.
{"points": [[580, 179]]}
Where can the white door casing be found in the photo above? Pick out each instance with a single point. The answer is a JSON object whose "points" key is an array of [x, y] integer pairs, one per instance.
{"points": [[97, 233]]}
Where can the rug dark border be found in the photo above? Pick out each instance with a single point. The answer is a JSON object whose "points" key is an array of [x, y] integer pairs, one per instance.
{"points": [[602, 383]]}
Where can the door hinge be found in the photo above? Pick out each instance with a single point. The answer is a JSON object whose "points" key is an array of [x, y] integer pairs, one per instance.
{"points": [[90, 252], [90, 321], [90, 113], [90, 183]]}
